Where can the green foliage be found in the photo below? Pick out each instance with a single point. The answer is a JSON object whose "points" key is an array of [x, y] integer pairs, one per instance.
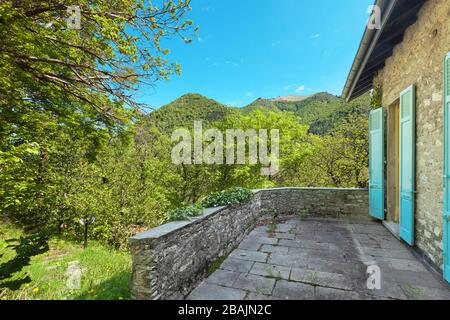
{"points": [[106, 273], [340, 159], [119, 46], [74, 144], [184, 213], [377, 96], [322, 111], [303, 213], [187, 109], [228, 197], [69, 147]]}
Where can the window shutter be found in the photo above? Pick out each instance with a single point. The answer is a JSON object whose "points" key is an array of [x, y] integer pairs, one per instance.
{"points": [[407, 163], [446, 225]]}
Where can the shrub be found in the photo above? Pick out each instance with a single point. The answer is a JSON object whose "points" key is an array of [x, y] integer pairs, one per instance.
{"points": [[228, 197], [184, 213]]}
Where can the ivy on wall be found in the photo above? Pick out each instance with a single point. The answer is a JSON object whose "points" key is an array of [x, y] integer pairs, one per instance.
{"points": [[376, 96]]}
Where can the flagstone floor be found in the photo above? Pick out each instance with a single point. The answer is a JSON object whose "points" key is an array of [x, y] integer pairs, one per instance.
{"points": [[321, 259]]}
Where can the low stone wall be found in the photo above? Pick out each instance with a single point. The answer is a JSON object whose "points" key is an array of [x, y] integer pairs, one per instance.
{"points": [[169, 261], [335, 203]]}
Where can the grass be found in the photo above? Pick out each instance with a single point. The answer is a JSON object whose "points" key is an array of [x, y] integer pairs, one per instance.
{"points": [[272, 228], [216, 265], [105, 272]]}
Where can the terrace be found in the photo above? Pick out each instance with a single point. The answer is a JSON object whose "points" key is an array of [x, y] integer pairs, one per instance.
{"points": [[285, 243], [325, 259]]}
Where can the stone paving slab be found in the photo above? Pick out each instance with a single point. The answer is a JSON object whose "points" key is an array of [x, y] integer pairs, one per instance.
{"points": [[425, 293], [256, 284], [321, 279], [288, 260], [223, 277], [323, 259], [260, 297], [293, 290], [207, 291], [262, 238], [322, 293], [389, 253], [250, 244], [345, 268], [401, 264], [232, 264], [425, 279], [271, 271], [255, 256], [268, 248], [389, 290]]}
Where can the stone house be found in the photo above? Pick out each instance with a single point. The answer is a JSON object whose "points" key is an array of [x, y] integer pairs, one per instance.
{"points": [[406, 62]]}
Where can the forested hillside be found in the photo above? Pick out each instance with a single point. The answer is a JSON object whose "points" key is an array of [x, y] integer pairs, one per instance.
{"points": [[321, 111]]}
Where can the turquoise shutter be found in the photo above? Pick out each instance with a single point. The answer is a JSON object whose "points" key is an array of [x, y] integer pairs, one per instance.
{"points": [[376, 164], [407, 163], [446, 224]]}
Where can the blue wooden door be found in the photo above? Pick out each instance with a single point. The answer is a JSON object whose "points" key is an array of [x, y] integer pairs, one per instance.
{"points": [[376, 164], [446, 224], [407, 163]]}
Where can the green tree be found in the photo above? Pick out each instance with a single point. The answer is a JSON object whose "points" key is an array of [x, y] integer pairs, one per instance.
{"points": [[340, 159], [118, 46]]}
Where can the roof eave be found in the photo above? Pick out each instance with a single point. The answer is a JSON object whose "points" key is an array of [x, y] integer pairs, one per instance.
{"points": [[366, 47]]}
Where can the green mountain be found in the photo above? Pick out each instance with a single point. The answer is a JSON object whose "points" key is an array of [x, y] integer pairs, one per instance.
{"points": [[186, 109], [321, 111]]}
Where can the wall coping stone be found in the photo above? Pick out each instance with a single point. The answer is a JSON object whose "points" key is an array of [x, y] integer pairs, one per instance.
{"points": [[174, 226]]}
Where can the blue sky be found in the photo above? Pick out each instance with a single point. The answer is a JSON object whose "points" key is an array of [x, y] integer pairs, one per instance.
{"points": [[264, 48]]}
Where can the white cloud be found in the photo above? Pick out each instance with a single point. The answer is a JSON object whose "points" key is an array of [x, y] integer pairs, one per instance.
{"points": [[287, 87], [317, 35], [300, 89], [249, 94]]}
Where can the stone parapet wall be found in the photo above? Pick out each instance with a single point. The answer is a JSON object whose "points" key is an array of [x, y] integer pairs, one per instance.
{"points": [[169, 261], [335, 203]]}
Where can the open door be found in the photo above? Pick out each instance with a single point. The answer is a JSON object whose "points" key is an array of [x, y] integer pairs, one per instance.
{"points": [[376, 164], [446, 224], [407, 163]]}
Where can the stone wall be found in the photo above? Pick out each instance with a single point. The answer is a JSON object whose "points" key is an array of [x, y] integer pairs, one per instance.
{"points": [[169, 261], [335, 203], [419, 60]]}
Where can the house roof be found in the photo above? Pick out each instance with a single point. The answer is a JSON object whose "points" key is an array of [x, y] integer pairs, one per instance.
{"points": [[378, 44]]}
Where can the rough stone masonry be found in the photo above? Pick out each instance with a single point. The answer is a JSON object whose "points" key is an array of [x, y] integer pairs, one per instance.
{"points": [[418, 60], [171, 260]]}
